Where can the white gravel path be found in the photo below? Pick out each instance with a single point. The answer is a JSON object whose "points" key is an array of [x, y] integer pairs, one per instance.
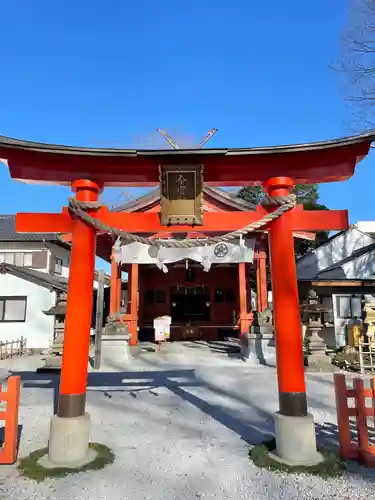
{"points": [[178, 424]]}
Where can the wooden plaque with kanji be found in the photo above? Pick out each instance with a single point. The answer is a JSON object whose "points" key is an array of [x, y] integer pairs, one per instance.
{"points": [[181, 189]]}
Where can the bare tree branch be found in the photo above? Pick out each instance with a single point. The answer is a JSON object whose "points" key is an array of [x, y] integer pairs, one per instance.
{"points": [[357, 63]]}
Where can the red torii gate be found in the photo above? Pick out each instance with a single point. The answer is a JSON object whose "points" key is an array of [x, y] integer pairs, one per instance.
{"points": [[277, 169]]}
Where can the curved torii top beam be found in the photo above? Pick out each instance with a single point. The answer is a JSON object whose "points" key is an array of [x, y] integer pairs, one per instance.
{"points": [[316, 162]]}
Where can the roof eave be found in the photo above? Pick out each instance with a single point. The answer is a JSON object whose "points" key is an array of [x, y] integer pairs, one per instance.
{"points": [[11, 143]]}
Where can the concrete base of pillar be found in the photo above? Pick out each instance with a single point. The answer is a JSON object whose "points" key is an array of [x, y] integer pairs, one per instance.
{"points": [[115, 349], [68, 444], [259, 348], [320, 363], [295, 441]]}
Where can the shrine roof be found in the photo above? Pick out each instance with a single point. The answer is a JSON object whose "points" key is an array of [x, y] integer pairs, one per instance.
{"points": [[324, 161], [153, 197]]}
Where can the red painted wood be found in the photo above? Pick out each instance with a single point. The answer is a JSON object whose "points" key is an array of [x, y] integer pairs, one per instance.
{"points": [[43, 223], [113, 297], [149, 222], [79, 301], [131, 318], [246, 317], [325, 164], [287, 318], [261, 276]]}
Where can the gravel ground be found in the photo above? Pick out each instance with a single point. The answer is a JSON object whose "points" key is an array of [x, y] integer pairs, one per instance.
{"points": [[180, 424]]}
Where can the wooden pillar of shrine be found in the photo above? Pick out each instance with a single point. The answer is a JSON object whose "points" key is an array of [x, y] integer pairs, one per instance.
{"points": [[245, 316], [287, 320], [70, 428], [116, 286], [131, 317], [78, 310], [261, 277], [294, 426], [119, 287]]}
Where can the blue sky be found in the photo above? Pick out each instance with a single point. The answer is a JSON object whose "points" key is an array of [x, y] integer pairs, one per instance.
{"points": [[109, 73]]}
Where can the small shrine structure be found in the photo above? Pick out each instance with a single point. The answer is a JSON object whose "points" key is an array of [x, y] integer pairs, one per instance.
{"points": [[216, 303], [181, 175]]}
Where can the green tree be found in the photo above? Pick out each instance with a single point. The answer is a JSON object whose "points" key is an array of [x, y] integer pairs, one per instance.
{"points": [[308, 196]]}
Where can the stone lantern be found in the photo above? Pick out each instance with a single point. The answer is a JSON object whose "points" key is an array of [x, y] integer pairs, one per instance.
{"points": [[115, 341], [54, 357], [258, 345], [316, 357]]}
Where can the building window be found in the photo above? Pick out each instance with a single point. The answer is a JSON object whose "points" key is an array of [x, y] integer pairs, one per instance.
{"points": [[28, 259], [18, 259], [21, 259], [13, 309], [58, 266], [349, 307], [328, 316], [9, 258]]}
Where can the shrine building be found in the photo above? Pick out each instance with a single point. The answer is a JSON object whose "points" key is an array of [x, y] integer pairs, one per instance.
{"points": [[208, 305]]}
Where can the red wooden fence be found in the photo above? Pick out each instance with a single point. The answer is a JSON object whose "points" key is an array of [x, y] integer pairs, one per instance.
{"points": [[361, 448], [9, 450]]}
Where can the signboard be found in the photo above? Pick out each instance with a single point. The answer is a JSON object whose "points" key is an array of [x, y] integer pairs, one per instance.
{"points": [[162, 327], [181, 189]]}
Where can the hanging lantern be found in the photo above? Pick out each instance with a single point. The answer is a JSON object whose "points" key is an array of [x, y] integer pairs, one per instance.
{"points": [[181, 194]]}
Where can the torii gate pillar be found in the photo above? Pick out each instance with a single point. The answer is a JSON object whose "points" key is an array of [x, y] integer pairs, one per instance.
{"points": [[70, 428], [292, 419]]}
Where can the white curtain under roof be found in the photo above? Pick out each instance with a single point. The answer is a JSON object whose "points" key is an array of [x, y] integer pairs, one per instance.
{"points": [[138, 253]]}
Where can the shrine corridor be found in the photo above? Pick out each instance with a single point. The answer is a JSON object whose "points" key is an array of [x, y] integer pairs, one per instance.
{"points": [[180, 423]]}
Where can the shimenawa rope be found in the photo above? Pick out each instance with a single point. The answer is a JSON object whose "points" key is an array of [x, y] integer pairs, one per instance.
{"points": [[284, 204]]}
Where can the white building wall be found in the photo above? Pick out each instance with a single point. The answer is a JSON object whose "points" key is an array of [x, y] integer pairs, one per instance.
{"points": [[367, 226], [64, 254], [61, 253], [38, 328]]}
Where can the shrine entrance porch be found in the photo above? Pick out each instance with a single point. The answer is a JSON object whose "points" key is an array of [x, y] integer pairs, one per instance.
{"points": [[202, 305], [191, 307]]}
